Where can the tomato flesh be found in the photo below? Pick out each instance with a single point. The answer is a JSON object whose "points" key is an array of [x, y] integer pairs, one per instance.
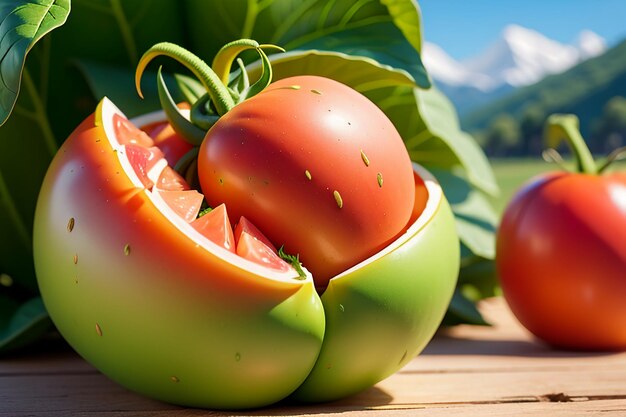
{"points": [[254, 246], [143, 160], [215, 226], [128, 134], [184, 203], [171, 180]]}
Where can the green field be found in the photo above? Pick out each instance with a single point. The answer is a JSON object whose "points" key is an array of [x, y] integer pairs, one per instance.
{"points": [[512, 173]]}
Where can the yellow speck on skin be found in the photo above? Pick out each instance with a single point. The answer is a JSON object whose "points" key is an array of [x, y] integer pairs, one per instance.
{"points": [[338, 198]]}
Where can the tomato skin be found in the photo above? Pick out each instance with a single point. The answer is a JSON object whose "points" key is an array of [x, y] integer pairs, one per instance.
{"points": [[165, 315], [561, 259], [106, 256], [293, 161]]}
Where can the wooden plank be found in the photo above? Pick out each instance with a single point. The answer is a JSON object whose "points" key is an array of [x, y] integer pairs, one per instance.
{"points": [[467, 370]]}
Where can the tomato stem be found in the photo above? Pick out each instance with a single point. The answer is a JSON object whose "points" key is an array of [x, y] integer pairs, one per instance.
{"points": [[218, 92], [566, 127]]}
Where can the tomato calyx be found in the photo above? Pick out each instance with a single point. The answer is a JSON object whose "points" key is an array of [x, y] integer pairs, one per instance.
{"points": [[221, 91], [565, 127]]}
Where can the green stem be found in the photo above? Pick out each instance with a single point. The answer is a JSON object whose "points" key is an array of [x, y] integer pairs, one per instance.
{"points": [[217, 90], [566, 127], [40, 113], [14, 215]]}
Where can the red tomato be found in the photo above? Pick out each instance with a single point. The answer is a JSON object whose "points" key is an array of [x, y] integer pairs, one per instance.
{"points": [[561, 258], [316, 166]]}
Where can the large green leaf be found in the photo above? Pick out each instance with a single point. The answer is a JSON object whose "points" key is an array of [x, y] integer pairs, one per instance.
{"points": [[430, 128], [364, 28], [475, 218], [21, 323], [361, 73], [23, 24], [463, 311]]}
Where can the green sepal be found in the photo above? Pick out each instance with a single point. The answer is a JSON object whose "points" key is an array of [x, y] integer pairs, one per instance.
{"points": [[200, 115], [220, 94], [193, 134]]}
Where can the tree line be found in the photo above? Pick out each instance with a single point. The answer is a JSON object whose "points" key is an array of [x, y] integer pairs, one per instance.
{"points": [[510, 136]]}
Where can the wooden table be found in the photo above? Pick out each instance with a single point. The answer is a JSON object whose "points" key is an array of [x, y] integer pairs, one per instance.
{"points": [[465, 371]]}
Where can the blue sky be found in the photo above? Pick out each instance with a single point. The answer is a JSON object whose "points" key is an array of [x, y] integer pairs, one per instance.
{"points": [[465, 27]]}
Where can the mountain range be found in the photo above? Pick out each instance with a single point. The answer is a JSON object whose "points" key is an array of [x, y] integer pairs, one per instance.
{"points": [[518, 57]]}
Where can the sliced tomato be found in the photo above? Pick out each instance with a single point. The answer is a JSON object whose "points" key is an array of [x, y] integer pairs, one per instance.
{"points": [[215, 226], [254, 246], [170, 180], [246, 226], [127, 133], [143, 160], [184, 203]]}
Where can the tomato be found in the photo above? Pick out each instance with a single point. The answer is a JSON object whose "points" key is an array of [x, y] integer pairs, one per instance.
{"points": [[561, 259], [315, 165], [180, 308]]}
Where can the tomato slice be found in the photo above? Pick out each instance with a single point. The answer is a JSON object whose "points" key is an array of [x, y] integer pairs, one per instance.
{"points": [[143, 160], [126, 133], [215, 226], [170, 180], [184, 203], [254, 246]]}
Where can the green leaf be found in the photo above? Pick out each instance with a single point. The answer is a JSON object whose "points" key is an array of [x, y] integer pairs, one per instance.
{"points": [[23, 24], [22, 324], [430, 128], [362, 74], [478, 278], [475, 218], [118, 84], [463, 310], [440, 119], [407, 17], [364, 28]]}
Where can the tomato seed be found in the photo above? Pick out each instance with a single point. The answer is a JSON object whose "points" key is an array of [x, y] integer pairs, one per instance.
{"points": [[338, 198], [365, 159]]}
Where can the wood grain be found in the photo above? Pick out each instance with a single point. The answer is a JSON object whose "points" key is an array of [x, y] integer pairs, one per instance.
{"points": [[465, 371]]}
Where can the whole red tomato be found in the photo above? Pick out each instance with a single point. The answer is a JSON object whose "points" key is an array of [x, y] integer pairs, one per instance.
{"points": [[313, 163], [561, 252], [317, 166]]}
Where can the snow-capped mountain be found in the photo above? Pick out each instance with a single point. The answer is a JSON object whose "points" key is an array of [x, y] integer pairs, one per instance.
{"points": [[519, 57]]}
